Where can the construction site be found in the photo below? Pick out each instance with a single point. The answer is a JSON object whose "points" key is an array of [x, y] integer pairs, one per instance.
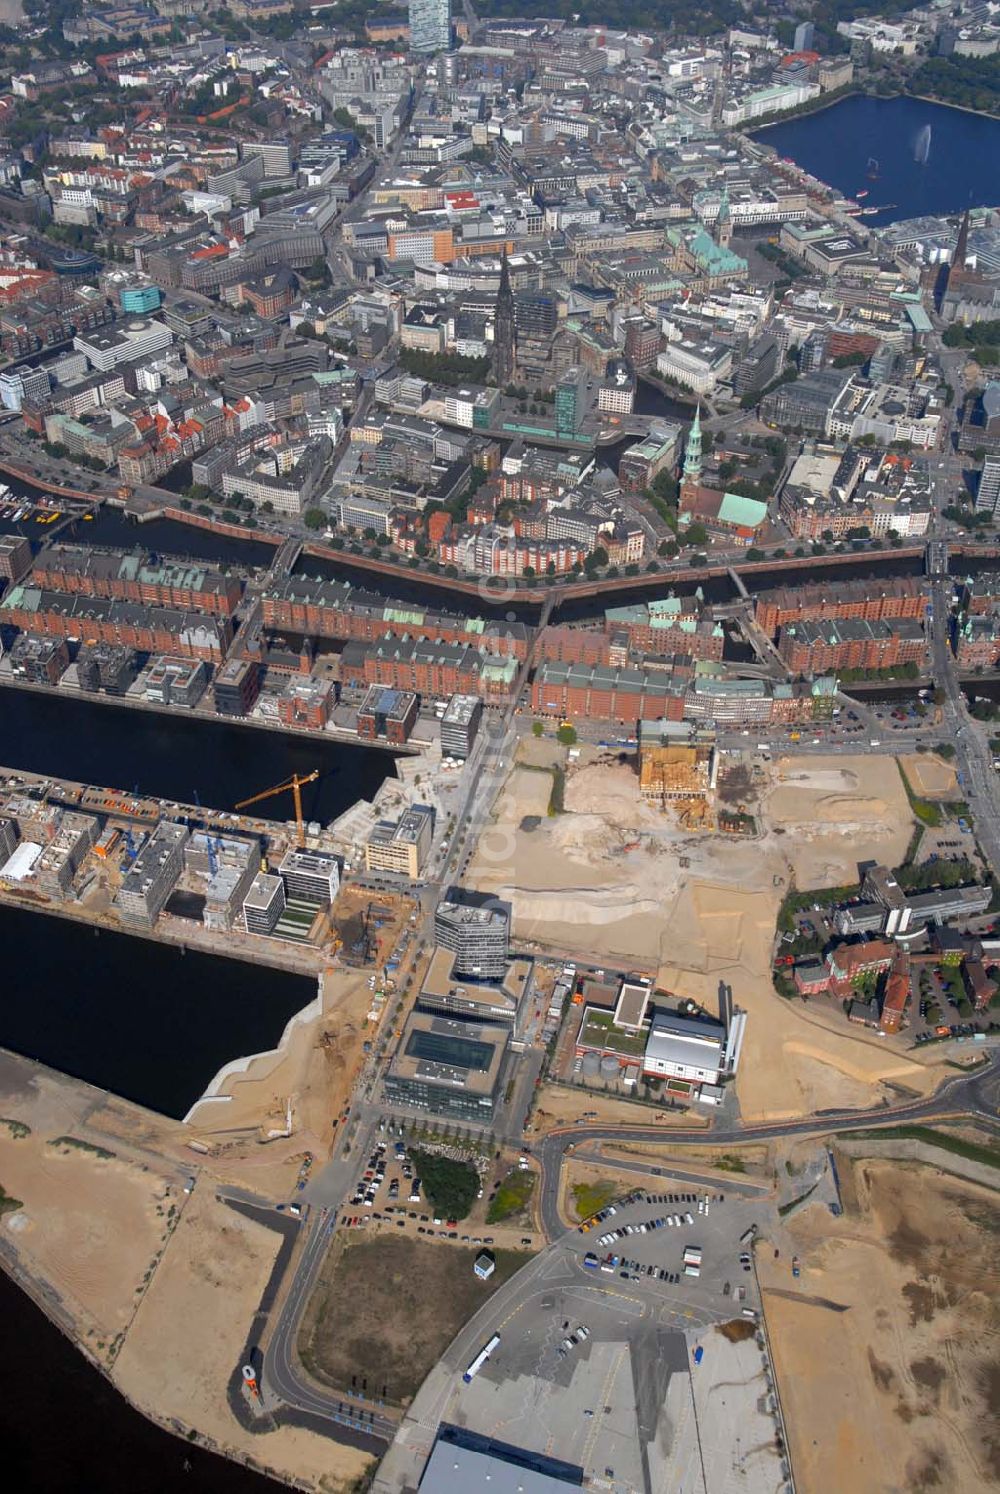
{"points": [[613, 880], [174, 871], [683, 778]]}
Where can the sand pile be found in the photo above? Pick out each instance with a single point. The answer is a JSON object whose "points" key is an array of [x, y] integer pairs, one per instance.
{"points": [[576, 905]]}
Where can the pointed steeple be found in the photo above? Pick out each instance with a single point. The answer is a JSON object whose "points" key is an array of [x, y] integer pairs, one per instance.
{"points": [[504, 328], [692, 451], [724, 222], [961, 253]]}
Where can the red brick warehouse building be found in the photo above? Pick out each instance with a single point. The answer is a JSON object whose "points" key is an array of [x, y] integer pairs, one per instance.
{"points": [[872, 601], [137, 577], [817, 648], [151, 630], [335, 609]]}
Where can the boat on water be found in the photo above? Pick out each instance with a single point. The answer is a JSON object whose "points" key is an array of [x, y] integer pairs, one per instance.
{"points": [[863, 193], [873, 169]]}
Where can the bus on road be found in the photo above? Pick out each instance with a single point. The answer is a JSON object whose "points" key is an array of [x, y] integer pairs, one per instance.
{"points": [[481, 1358]]}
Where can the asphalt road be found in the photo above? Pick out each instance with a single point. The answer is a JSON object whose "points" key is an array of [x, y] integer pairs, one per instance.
{"points": [[738, 1185], [973, 1094], [282, 1376]]}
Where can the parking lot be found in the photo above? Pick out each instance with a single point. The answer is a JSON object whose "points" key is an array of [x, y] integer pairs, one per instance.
{"points": [[389, 1195], [682, 1247], [624, 1372]]}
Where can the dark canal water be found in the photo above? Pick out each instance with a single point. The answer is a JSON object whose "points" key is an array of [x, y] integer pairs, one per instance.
{"points": [[836, 145], [139, 1018], [173, 758], [67, 1430]]}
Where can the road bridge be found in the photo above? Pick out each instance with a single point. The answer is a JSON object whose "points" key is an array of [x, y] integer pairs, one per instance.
{"points": [[285, 559]]}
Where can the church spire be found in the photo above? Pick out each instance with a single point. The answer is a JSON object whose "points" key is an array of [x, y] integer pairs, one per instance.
{"points": [[724, 222], [961, 253], [504, 328], [692, 451]]}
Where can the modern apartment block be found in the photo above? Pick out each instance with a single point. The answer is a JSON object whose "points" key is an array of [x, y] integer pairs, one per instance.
{"points": [[311, 876], [387, 714], [476, 932], [236, 687], [15, 557], [153, 875], [401, 845], [110, 667], [230, 864], [459, 725], [263, 904]]}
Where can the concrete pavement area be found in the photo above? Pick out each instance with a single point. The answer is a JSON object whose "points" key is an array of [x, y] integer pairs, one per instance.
{"points": [[601, 1371]]}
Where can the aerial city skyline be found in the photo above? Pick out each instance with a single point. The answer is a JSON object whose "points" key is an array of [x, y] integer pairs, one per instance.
{"points": [[499, 799]]}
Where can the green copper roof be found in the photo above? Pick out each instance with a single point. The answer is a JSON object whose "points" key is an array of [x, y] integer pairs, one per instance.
{"points": [[748, 512]]}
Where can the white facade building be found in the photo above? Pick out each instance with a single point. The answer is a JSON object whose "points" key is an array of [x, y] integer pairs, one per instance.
{"points": [[686, 1048]]}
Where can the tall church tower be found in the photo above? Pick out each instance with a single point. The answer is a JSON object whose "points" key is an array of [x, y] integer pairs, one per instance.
{"points": [[504, 329], [961, 253], [724, 222], [692, 451]]}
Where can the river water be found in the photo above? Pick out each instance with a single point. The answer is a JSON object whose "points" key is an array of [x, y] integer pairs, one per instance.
{"points": [[838, 144], [173, 757], [68, 1431], [142, 1019]]}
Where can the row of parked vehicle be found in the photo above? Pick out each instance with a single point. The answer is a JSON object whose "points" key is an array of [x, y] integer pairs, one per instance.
{"points": [[578, 1336], [667, 1221], [634, 1270]]}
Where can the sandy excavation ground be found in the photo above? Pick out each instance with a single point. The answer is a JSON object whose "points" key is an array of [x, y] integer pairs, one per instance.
{"points": [[612, 864], [930, 776], [92, 1225], [902, 1390], [190, 1331], [837, 812], [796, 1059], [698, 909], [166, 1299], [314, 1071]]}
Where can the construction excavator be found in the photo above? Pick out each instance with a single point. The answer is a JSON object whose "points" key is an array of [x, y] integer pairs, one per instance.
{"points": [[296, 784]]}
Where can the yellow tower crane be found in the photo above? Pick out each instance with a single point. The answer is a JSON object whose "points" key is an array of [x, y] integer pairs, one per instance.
{"points": [[296, 784]]}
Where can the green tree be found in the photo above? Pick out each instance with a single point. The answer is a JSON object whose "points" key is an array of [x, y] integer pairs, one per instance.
{"points": [[451, 1187], [566, 734], [314, 518], [538, 728]]}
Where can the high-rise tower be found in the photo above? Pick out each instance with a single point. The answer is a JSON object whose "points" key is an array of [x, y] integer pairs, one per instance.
{"points": [[430, 25], [961, 253], [504, 329]]}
